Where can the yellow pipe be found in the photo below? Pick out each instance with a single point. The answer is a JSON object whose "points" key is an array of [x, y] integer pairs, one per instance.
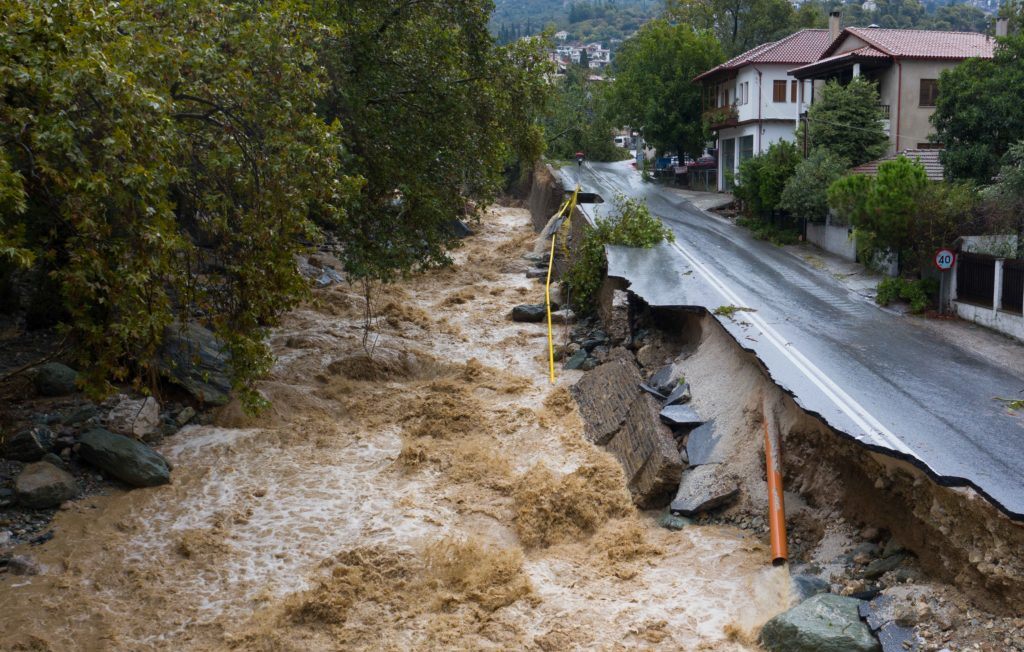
{"points": [[776, 500]]}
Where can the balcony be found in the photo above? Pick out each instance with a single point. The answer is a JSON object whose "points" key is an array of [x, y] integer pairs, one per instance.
{"points": [[884, 108], [721, 117]]}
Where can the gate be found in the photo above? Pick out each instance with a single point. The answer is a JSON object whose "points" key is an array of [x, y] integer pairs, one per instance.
{"points": [[1013, 286], [976, 279]]}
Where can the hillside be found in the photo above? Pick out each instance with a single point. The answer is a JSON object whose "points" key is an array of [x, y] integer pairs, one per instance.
{"points": [[586, 20]]}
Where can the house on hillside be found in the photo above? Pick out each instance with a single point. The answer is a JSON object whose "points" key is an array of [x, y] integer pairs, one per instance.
{"points": [[751, 101], [905, 63]]}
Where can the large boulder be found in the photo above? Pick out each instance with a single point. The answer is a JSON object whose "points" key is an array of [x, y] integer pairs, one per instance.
{"points": [[128, 460], [29, 445], [824, 623], [137, 418], [42, 485], [529, 312], [191, 356], [55, 379]]}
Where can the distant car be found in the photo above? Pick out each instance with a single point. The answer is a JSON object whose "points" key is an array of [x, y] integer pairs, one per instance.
{"points": [[704, 162]]}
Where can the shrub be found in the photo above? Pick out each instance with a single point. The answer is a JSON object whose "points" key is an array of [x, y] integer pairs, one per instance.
{"points": [[917, 293], [632, 225], [805, 195]]}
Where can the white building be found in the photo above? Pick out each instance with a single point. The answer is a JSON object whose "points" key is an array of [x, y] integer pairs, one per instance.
{"points": [[752, 102]]}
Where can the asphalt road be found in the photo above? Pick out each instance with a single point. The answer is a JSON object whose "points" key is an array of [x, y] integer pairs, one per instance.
{"points": [[870, 373]]}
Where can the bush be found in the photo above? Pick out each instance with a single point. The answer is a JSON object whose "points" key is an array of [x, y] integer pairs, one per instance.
{"points": [[917, 293], [805, 195], [763, 230], [633, 226], [763, 178]]}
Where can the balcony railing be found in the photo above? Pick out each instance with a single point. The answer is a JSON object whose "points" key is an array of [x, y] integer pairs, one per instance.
{"points": [[885, 111], [721, 116]]}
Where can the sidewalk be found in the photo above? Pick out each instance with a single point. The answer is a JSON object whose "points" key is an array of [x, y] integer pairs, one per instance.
{"points": [[705, 201], [950, 330]]}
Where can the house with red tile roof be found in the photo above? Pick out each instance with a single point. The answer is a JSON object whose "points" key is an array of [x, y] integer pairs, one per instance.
{"points": [[905, 63], [751, 101]]}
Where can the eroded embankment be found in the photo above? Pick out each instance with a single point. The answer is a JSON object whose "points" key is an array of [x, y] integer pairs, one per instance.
{"points": [[846, 503], [423, 488]]}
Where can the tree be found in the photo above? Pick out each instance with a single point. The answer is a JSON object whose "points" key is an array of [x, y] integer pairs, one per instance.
{"points": [[653, 88], [576, 120], [740, 24], [901, 212], [977, 113], [958, 18], [433, 112], [1004, 199], [164, 160], [762, 178], [806, 192], [847, 121]]}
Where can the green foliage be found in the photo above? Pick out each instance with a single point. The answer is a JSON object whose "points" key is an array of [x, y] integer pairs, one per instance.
{"points": [[163, 161], [168, 157], [847, 121], [917, 292], [805, 195], [631, 225], [1004, 199], [432, 113], [762, 178], [575, 121], [977, 114], [742, 24], [586, 20], [652, 87], [769, 232], [900, 211]]}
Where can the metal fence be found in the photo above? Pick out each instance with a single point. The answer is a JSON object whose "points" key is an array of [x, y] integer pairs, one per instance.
{"points": [[1013, 286], [976, 279]]}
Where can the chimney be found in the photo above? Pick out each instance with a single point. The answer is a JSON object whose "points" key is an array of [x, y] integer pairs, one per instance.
{"points": [[1002, 26], [833, 25]]}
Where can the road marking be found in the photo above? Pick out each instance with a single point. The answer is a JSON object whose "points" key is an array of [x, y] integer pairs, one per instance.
{"points": [[849, 406]]}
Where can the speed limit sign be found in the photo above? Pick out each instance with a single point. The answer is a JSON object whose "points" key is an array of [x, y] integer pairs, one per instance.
{"points": [[944, 259]]}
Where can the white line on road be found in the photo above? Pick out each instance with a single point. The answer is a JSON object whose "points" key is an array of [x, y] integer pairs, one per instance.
{"points": [[849, 406]]}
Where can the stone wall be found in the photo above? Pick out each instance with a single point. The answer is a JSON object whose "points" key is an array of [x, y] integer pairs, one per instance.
{"points": [[546, 195]]}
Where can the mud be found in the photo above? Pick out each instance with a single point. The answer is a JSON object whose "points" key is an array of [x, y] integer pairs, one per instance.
{"points": [[422, 487]]}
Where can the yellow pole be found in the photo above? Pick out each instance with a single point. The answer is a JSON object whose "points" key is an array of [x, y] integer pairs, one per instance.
{"points": [[571, 205]]}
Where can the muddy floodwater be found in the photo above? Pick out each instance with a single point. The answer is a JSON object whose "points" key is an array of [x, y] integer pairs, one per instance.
{"points": [[423, 488]]}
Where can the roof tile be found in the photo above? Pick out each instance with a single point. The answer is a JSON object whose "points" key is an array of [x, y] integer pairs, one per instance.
{"points": [[921, 43], [800, 47]]}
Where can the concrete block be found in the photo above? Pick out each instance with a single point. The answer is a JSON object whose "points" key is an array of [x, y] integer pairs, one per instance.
{"points": [[648, 454], [605, 396]]}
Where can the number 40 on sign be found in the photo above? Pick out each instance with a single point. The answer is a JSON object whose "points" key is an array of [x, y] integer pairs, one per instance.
{"points": [[944, 259]]}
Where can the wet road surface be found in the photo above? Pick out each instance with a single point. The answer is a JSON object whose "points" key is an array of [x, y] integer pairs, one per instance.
{"points": [[870, 373]]}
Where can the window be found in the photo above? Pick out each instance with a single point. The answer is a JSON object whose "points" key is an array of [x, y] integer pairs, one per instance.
{"points": [[746, 147], [929, 91], [779, 90], [792, 91]]}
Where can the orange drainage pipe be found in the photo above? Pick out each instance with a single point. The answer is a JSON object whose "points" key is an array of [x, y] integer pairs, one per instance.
{"points": [[776, 502]]}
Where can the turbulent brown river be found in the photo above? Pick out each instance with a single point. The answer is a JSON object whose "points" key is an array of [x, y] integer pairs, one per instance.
{"points": [[426, 488]]}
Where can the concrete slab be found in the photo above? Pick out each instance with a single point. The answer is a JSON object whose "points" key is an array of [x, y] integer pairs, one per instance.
{"points": [[647, 452], [702, 446], [680, 415], [605, 396], [704, 488]]}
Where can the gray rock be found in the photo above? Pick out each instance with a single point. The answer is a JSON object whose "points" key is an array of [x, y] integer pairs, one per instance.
{"points": [[29, 445], [589, 364], [892, 547], [459, 229], [195, 359], [41, 485], [185, 415], [563, 316], [22, 565], [536, 272], [704, 488], [671, 521], [880, 567], [679, 395], [55, 460], [703, 445], [824, 623], [55, 379], [138, 418], [808, 586], [82, 414], [880, 616], [680, 415], [128, 460], [7, 497], [327, 277], [576, 360], [665, 379], [529, 313]]}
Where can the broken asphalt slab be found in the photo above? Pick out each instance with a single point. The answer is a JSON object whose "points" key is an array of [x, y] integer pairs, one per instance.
{"points": [[680, 415], [704, 488], [702, 446]]}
